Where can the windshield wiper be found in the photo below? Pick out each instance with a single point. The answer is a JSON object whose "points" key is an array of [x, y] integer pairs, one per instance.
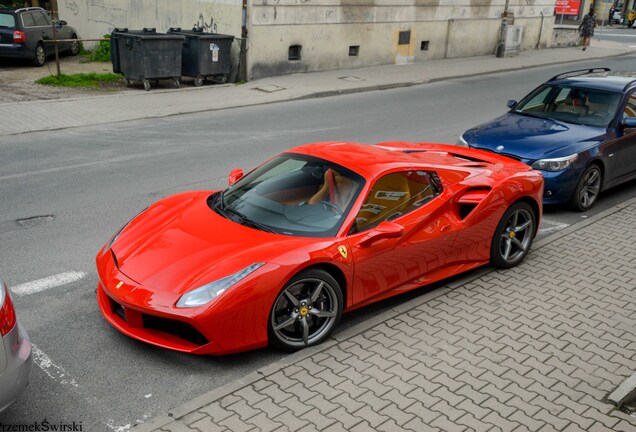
{"points": [[244, 220], [530, 114]]}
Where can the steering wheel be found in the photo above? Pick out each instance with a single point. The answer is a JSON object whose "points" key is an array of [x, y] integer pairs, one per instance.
{"points": [[331, 206]]}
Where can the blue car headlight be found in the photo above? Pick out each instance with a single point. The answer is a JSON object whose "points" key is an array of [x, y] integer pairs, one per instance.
{"points": [[557, 164], [202, 295]]}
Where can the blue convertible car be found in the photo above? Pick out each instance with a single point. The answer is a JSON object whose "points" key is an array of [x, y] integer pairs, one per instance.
{"points": [[579, 129]]}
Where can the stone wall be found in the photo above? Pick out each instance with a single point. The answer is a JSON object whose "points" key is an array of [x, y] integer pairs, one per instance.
{"points": [[565, 36], [339, 34]]}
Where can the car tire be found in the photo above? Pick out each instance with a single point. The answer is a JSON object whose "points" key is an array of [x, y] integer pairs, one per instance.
{"points": [[74, 49], [39, 56], [306, 311], [587, 189], [513, 236]]}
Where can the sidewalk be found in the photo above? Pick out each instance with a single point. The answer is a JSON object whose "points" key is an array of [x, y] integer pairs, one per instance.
{"points": [[45, 115], [533, 348]]}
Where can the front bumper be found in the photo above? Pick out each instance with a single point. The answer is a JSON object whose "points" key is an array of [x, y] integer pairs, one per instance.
{"points": [[15, 377], [162, 330], [559, 185], [232, 324]]}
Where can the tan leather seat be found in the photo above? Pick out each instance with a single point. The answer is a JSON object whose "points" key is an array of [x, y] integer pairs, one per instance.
{"points": [[388, 196], [575, 105]]}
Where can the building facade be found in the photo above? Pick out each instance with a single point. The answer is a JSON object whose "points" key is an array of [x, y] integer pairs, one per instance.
{"points": [[292, 36]]}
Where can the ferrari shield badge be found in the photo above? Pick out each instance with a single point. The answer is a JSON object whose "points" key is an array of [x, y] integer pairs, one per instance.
{"points": [[343, 251]]}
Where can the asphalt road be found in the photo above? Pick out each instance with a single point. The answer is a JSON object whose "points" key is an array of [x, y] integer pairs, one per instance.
{"points": [[64, 193]]}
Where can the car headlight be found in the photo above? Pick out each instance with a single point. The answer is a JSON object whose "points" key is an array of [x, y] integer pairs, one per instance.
{"points": [[462, 142], [202, 295], [558, 164]]}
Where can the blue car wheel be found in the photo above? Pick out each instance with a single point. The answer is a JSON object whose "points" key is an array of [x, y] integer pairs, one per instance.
{"points": [[587, 189]]}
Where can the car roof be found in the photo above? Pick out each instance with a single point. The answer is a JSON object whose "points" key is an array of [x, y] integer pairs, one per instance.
{"points": [[607, 80]]}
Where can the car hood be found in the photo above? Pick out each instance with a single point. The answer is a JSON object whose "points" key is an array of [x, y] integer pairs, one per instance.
{"points": [[531, 138], [180, 244]]}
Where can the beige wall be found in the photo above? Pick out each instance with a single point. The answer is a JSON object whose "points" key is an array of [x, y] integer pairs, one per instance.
{"points": [[326, 28], [94, 18]]}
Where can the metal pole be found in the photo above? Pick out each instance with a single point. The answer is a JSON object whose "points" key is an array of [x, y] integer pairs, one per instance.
{"points": [[57, 54], [501, 45]]}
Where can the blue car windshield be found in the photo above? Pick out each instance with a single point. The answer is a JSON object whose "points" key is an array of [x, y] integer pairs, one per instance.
{"points": [[292, 194], [578, 105]]}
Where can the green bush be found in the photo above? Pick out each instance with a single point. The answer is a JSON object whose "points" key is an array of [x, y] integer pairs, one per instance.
{"points": [[101, 53]]}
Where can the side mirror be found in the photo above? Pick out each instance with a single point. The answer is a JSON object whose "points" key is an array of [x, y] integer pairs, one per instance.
{"points": [[386, 229], [511, 103], [629, 122], [61, 23], [234, 176]]}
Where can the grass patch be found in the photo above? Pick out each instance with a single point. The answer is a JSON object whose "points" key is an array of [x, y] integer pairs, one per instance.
{"points": [[101, 53], [78, 80]]}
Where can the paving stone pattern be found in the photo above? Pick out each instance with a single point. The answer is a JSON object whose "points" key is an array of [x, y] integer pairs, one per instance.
{"points": [[534, 348]]}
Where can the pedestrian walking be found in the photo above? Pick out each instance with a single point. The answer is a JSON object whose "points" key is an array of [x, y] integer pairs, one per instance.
{"points": [[631, 17], [586, 29], [611, 15]]}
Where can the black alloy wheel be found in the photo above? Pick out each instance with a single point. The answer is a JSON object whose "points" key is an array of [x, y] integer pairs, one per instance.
{"points": [[306, 310], [513, 236], [587, 189]]}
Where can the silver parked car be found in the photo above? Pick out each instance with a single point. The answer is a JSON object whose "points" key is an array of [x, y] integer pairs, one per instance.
{"points": [[15, 352]]}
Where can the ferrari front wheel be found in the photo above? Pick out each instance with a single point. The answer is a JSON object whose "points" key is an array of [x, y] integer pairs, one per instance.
{"points": [[513, 236], [306, 311]]}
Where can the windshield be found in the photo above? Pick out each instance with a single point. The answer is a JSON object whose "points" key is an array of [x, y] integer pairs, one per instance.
{"points": [[7, 20], [576, 105], [293, 194]]}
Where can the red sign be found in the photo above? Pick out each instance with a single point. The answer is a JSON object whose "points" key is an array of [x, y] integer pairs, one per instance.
{"points": [[568, 7]]}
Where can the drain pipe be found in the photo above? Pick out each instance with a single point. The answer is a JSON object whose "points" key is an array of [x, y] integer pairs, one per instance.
{"points": [[540, 31]]}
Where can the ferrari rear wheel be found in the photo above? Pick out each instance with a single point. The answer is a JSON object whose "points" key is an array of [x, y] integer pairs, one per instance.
{"points": [[513, 236], [306, 311]]}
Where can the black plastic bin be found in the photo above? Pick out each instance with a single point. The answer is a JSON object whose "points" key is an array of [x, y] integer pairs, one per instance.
{"points": [[205, 55], [145, 55]]}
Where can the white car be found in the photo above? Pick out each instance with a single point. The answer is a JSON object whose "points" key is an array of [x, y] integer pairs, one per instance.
{"points": [[15, 352]]}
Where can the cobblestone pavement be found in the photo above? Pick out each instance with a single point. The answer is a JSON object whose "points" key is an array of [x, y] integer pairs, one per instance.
{"points": [[533, 348]]}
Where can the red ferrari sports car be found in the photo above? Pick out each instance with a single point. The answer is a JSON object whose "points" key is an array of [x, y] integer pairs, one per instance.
{"points": [[315, 231]]}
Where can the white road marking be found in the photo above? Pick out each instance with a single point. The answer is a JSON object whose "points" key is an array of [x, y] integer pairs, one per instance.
{"points": [[111, 425], [55, 372], [554, 227], [47, 283]]}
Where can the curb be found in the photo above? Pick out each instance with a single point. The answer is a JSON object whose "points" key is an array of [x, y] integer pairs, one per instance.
{"points": [[437, 291]]}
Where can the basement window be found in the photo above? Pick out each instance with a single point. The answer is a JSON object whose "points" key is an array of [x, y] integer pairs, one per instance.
{"points": [[404, 38], [294, 52], [354, 50], [424, 46]]}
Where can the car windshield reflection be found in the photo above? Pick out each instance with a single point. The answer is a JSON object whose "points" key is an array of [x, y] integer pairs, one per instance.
{"points": [[292, 194], [576, 105]]}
